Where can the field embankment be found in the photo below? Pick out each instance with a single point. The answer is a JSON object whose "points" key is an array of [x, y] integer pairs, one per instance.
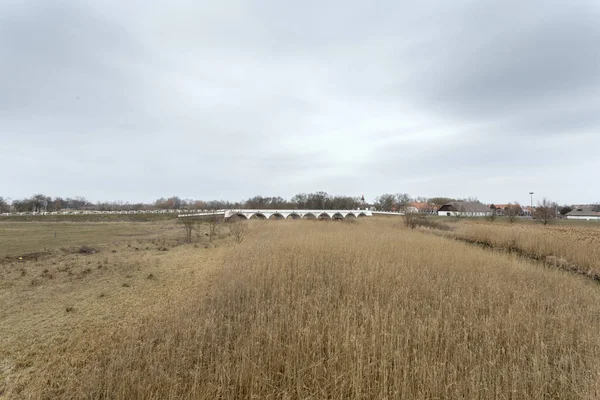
{"points": [[364, 310]]}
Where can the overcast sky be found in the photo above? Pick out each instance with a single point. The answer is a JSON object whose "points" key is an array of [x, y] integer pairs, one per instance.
{"points": [[135, 100]]}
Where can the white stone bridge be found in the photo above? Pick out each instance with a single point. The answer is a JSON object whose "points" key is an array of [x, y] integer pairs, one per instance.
{"points": [[285, 214]]}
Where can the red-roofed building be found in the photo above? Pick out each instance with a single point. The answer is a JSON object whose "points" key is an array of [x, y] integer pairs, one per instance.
{"points": [[421, 207]]}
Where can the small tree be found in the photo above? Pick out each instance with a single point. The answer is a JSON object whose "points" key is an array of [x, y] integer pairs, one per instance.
{"points": [[402, 200], [213, 227], [188, 224], [410, 219], [512, 211], [493, 215], [39, 202], [440, 201], [239, 231], [564, 210], [4, 207], [385, 202], [23, 205], [545, 211]]}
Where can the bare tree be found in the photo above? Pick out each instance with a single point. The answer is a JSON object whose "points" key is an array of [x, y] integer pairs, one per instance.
{"points": [[545, 211], [410, 219], [564, 210], [493, 215], [402, 200], [23, 205], [213, 227], [512, 211], [188, 224], [4, 206], [440, 201], [385, 202], [239, 231], [39, 201]]}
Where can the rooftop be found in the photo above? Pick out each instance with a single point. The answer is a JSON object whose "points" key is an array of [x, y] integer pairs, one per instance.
{"points": [[584, 212]]}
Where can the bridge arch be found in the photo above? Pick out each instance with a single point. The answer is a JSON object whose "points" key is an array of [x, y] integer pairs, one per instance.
{"points": [[337, 216], [238, 216], [259, 216], [324, 216], [293, 216], [350, 216], [276, 216], [362, 214], [309, 216]]}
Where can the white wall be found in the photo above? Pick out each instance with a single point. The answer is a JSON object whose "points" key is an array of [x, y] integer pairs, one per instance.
{"points": [[585, 217], [447, 213], [464, 214]]}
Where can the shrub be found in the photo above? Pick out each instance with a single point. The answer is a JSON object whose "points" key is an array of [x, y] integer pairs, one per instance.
{"points": [[413, 221], [239, 230], [87, 250]]}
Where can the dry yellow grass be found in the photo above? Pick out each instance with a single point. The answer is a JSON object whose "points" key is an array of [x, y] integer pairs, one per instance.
{"points": [[333, 310], [578, 245], [51, 305], [18, 238]]}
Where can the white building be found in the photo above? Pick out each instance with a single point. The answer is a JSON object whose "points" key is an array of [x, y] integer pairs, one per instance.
{"points": [[464, 209], [585, 213]]}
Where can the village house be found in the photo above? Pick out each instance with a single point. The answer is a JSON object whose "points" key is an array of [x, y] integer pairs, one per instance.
{"points": [[464, 209], [499, 209], [527, 211], [420, 207], [585, 213]]}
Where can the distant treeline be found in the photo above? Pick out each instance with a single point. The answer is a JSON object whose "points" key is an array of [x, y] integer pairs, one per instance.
{"points": [[316, 200]]}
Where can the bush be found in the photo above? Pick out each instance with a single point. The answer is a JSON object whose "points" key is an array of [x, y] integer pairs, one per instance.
{"points": [[239, 231], [413, 221], [87, 250]]}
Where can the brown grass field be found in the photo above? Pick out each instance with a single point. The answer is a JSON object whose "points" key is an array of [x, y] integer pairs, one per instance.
{"points": [[298, 310], [566, 245], [19, 238]]}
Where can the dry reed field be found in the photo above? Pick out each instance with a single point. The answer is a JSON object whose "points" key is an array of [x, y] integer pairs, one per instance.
{"points": [[576, 246], [312, 310]]}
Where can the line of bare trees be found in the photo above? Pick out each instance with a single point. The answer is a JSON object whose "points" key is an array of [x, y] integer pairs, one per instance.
{"points": [[316, 200], [40, 202], [237, 229]]}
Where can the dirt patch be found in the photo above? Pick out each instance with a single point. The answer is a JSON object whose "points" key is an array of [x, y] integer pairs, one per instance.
{"points": [[87, 250], [35, 256]]}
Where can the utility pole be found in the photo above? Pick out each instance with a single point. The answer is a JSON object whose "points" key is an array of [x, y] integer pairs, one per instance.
{"points": [[531, 207]]}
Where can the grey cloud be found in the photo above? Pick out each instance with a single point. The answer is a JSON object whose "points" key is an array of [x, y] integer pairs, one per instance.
{"points": [[506, 61], [62, 59], [136, 100]]}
